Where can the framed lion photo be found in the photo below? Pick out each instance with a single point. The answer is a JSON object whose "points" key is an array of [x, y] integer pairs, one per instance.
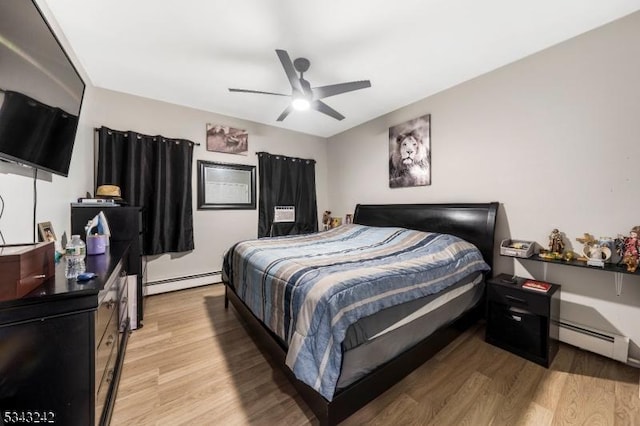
{"points": [[410, 153]]}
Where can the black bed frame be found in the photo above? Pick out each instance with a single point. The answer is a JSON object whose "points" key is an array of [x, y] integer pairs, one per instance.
{"points": [[472, 222]]}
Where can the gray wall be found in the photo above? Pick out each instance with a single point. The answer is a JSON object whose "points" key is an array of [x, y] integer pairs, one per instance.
{"points": [[554, 137]]}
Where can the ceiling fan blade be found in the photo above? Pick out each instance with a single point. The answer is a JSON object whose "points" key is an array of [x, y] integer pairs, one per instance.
{"points": [[286, 112], [326, 109], [335, 89], [289, 70], [256, 91]]}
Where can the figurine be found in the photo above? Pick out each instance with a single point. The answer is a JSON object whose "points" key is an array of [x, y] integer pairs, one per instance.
{"points": [[556, 245], [630, 250], [326, 220], [597, 251], [587, 241]]}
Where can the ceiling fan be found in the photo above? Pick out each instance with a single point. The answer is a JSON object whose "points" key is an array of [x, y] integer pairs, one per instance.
{"points": [[303, 95]]}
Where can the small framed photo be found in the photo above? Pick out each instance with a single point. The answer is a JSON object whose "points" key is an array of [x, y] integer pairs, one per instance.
{"points": [[46, 232], [348, 218]]}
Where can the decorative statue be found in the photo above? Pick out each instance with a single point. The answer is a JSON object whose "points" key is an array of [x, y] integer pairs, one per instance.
{"points": [[326, 220], [556, 245], [630, 249], [597, 251]]}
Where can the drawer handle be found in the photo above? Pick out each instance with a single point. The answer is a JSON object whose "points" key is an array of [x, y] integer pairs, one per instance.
{"points": [[516, 318], [110, 340], [516, 299], [109, 375]]}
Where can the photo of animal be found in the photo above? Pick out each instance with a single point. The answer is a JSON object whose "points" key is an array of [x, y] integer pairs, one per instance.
{"points": [[227, 139], [410, 153]]}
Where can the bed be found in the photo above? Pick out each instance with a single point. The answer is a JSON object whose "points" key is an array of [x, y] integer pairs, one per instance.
{"points": [[394, 331]]}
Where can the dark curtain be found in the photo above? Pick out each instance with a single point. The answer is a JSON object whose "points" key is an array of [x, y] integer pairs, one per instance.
{"points": [[286, 181], [154, 173]]}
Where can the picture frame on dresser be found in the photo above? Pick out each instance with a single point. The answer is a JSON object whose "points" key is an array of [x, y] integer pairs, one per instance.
{"points": [[46, 233]]}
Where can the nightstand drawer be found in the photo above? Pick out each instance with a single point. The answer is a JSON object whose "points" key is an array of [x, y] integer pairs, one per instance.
{"points": [[524, 299], [517, 328]]}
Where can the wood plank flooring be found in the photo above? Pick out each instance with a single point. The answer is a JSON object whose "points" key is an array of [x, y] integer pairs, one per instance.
{"points": [[193, 363]]}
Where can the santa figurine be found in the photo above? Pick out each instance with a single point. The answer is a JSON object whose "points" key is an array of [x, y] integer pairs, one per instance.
{"points": [[631, 249]]}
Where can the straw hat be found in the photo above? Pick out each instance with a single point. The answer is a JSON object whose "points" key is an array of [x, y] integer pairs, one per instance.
{"points": [[110, 192]]}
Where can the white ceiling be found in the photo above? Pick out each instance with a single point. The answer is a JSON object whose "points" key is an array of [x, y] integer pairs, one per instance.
{"points": [[190, 52]]}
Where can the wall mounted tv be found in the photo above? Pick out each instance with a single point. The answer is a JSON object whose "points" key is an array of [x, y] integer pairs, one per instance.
{"points": [[40, 91]]}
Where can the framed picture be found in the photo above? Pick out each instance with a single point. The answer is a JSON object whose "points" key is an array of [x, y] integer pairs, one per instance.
{"points": [[227, 139], [410, 153], [226, 186], [46, 232]]}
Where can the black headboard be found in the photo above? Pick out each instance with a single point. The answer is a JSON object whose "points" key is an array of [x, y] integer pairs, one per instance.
{"points": [[470, 221]]}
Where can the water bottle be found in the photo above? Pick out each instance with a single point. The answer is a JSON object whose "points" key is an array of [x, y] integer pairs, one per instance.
{"points": [[75, 252]]}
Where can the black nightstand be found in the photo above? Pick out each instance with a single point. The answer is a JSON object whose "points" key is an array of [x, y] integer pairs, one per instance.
{"points": [[523, 321]]}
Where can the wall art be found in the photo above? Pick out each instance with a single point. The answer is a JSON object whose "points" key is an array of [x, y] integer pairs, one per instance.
{"points": [[410, 153], [227, 139]]}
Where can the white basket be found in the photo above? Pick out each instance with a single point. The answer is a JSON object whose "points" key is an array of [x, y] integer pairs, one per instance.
{"points": [[522, 248]]}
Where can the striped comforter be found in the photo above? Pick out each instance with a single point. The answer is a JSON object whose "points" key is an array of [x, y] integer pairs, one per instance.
{"points": [[309, 289]]}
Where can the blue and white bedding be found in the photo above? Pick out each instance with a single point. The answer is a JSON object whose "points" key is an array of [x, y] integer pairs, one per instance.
{"points": [[309, 289]]}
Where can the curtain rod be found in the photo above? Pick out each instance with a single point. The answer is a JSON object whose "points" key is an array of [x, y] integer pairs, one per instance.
{"points": [[284, 157], [97, 129]]}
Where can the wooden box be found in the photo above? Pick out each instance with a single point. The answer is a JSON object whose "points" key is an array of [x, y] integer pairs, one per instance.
{"points": [[25, 267]]}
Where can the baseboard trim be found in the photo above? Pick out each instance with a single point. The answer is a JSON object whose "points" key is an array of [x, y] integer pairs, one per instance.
{"points": [[182, 283]]}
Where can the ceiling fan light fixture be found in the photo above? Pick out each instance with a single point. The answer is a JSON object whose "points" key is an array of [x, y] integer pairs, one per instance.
{"points": [[300, 104], [303, 96]]}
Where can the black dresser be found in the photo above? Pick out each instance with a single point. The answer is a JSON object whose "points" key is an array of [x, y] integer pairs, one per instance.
{"points": [[126, 225], [62, 346]]}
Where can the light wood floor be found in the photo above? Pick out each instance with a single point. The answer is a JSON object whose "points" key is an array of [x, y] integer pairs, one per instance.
{"points": [[193, 363]]}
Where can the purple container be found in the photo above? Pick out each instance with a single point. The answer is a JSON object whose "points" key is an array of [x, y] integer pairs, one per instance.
{"points": [[96, 244]]}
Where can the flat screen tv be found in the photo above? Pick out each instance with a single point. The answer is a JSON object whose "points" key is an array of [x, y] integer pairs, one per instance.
{"points": [[40, 91]]}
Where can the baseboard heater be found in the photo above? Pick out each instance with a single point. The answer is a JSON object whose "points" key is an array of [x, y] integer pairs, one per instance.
{"points": [[181, 283], [600, 342]]}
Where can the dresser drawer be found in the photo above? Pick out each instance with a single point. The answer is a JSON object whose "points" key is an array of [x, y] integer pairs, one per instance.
{"points": [[123, 300], [104, 385], [516, 297], [105, 313], [108, 301], [106, 347]]}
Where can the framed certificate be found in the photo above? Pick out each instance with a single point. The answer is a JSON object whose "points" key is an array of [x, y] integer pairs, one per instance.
{"points": [[226, 186]]}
